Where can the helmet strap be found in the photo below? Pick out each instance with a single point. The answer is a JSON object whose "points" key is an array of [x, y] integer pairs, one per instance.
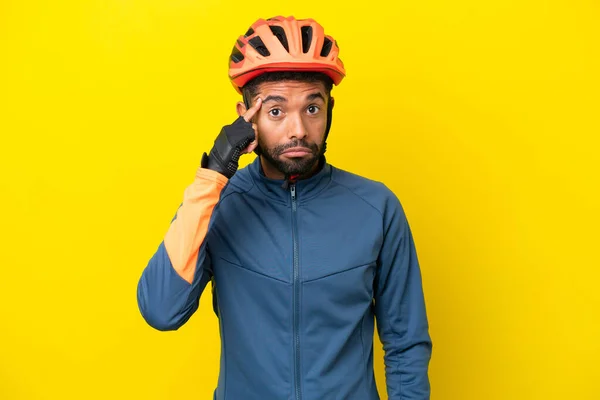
{"points": [[329, 116]]}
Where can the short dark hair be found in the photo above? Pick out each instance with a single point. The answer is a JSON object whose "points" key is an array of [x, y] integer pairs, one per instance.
{"points": [[251, 88]]}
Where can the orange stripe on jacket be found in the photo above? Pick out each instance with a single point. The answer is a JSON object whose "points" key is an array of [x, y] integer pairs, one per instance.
{"points": [[188, 230]]}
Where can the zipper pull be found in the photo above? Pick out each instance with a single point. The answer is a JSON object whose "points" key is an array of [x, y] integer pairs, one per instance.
{"points": [[293, 190]]}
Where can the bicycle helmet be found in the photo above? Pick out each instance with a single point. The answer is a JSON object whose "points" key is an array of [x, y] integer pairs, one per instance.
{"points": [[284, 44]]}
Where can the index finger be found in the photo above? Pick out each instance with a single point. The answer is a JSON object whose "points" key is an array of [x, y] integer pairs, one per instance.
{"points": [[252, 110]]}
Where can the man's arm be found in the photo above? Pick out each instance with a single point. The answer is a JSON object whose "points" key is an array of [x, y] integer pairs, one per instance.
{"points": [[400, 310], [171, 284], [170, 287]]}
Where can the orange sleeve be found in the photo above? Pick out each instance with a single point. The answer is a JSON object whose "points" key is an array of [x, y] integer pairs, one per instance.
{"points": [[188, 229]]}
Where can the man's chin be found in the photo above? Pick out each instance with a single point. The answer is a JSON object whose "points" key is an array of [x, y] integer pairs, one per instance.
{"points": [[291, 163], [297, 165]]}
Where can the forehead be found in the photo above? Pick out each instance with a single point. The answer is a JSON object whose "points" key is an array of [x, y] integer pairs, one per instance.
{"points": [[291, 88]]}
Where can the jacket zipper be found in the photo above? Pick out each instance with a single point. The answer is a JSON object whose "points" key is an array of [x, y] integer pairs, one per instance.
{"points": [[296, 295]]}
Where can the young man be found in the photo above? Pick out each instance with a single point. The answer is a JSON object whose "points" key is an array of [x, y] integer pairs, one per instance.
{"points": [[303, 257]]}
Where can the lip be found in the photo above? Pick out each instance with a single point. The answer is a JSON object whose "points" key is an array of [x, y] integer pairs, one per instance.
{"points": [[297, 152]]}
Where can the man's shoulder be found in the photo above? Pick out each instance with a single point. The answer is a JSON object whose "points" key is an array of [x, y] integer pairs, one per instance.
{"points": [[355, 181], [373, 191]]}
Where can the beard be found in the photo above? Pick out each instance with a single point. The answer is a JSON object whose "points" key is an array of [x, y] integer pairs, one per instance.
{"points": [[295, 166]]}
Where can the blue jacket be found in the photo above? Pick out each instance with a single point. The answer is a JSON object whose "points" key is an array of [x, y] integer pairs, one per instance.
{"points": [[300, 275]]}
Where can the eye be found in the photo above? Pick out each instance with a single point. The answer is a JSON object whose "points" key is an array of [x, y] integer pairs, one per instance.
{"points": [[313, 109], [275, 112]]}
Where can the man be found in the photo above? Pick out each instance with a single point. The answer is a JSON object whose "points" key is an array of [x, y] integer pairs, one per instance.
{"points": [[303, 257]]}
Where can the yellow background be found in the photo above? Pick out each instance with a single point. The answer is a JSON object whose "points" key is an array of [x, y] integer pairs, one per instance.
{"points": [[482, 116]]}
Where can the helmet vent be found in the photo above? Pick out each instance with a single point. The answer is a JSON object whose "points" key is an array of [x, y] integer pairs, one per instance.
{"points": [[249, 32], [306, 38], [280, 34], [326, 47], [236, 55], [259, 46]]}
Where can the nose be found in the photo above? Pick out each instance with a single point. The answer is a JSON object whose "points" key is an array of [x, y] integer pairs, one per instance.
{"points": [[296, 128]]}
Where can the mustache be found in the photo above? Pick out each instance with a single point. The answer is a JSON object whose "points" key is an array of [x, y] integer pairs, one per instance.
{"points": [[297, 143]]}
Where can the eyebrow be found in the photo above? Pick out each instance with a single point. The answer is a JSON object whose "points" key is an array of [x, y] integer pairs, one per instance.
{"points": [[314, 96], [281, 99]]}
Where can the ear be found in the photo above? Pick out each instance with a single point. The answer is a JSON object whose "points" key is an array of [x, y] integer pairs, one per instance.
{"points": [[240, 107], [332, 101]]}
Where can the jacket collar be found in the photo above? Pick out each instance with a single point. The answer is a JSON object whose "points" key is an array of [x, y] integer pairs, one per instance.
{"points": [[277, 190]]}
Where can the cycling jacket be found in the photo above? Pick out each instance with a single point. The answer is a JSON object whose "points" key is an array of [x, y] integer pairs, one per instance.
{"points": [[300, 275]]}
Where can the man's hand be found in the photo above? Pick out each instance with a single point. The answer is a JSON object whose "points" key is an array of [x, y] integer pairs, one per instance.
{"points": [[233, 141]]}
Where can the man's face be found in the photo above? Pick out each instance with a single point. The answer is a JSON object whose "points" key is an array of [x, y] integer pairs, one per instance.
{"points": [[291, 126]]}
